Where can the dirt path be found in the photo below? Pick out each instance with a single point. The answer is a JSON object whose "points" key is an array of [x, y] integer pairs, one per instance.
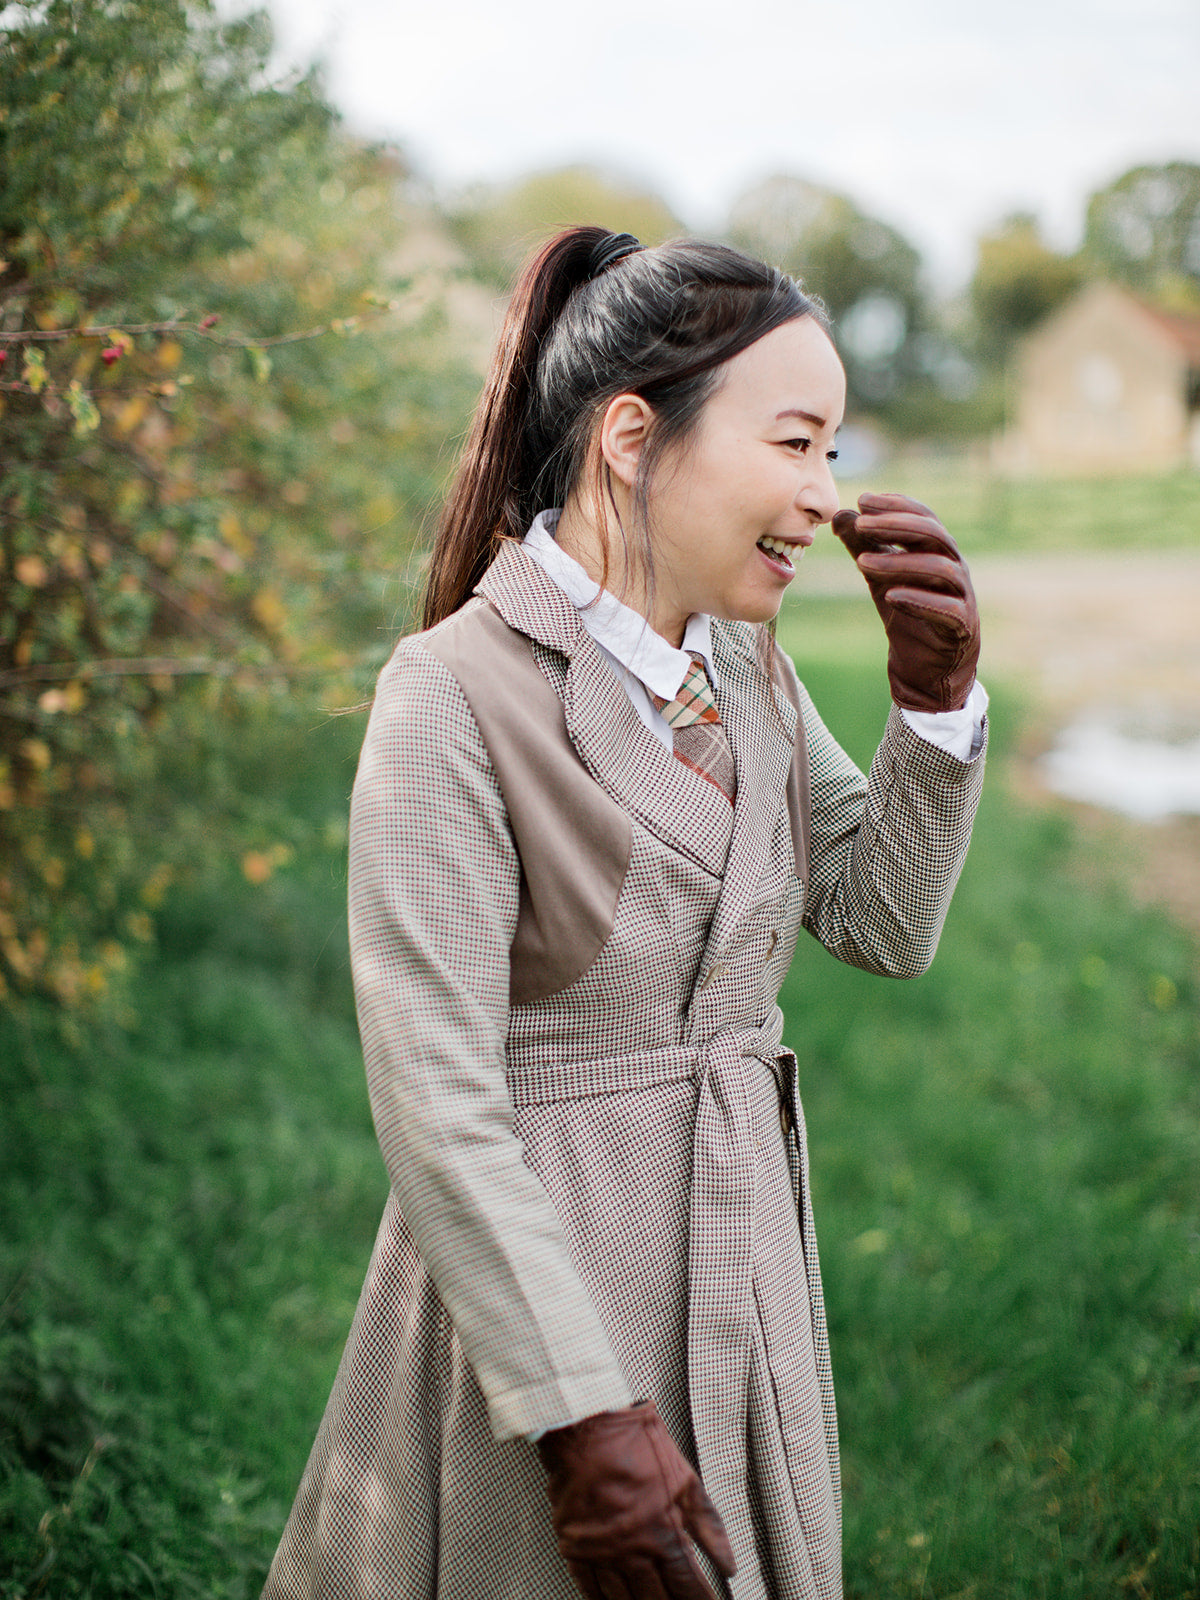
{"points": [[1102, 629], [1108, 631]]}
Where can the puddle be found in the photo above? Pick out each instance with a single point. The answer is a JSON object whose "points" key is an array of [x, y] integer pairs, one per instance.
{"points": [[1138, 768]]}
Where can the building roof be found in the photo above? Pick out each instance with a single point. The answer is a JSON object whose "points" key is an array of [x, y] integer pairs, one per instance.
{"points": [[1182, 330]]}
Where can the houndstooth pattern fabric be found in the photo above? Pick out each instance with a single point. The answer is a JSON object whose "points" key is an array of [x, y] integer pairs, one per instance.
{"points": [[602, 1194], [700, 741]]}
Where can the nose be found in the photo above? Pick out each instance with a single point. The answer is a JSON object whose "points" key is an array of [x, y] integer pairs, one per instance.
{"points": [[819, 494]]}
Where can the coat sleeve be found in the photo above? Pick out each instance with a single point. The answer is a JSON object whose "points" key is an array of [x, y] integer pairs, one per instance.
{"points": [[434, 885], [886, 850]]}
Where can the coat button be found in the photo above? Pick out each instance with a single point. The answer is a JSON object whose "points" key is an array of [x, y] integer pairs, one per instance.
{"points": [[713, 974], [786, 1120]]}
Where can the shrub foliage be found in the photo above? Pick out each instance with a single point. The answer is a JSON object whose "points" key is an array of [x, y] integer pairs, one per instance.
{"points": [[200, 453]]}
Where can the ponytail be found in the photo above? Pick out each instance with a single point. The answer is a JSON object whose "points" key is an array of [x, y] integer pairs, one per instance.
{"points": [[487, 501], [594, 316]]}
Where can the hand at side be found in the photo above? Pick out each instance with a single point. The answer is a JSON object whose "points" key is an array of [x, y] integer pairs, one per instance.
{"points": [[624, 1504]]}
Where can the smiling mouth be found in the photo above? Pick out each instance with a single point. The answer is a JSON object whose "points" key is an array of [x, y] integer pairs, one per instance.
{"points": [[780, 550]]}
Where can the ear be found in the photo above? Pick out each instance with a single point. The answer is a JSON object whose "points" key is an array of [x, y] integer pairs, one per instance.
{"points": [[623, 433]]}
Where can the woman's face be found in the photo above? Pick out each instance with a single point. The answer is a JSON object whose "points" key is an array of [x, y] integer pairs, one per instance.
{"points": [[733, 509]]}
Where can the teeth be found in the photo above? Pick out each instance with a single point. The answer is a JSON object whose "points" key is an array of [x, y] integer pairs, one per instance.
{"points": [[777, 547]]}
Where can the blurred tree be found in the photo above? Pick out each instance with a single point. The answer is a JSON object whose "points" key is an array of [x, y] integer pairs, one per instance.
{"points": [[866, 272], [197, 508], [1018, 280], [1144, 230], [500, 226]]}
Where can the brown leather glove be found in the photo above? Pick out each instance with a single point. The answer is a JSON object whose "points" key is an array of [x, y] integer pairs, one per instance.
{"points": [[623, 1502], [922, 590]]}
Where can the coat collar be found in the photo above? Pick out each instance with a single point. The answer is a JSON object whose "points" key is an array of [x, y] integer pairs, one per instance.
{"points": [[630, 764]]}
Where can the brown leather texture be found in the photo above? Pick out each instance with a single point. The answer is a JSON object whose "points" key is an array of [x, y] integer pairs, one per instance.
{"points": [[922, 591], [624, 1503]]}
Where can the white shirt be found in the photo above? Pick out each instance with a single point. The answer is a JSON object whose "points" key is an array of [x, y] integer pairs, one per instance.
{"points": [[641, 658]]}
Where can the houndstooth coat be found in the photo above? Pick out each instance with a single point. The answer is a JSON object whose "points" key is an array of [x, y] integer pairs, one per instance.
{"points": [[566, 950]]}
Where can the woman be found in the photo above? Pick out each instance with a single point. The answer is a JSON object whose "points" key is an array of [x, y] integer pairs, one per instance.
{"points": [[593, 810]]}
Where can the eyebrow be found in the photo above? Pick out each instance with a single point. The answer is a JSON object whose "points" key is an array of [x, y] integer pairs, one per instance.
{"points": [[805, 416]]}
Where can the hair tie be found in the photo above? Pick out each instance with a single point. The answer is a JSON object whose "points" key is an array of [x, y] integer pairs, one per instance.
{"points": [[610, 248]]}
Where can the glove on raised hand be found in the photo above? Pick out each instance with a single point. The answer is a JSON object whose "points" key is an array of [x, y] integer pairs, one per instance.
{"points": [[922, 590], [623, 1502]]}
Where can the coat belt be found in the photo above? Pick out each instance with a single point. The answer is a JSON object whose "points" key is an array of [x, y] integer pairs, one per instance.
{"points": [[721, 1235]]}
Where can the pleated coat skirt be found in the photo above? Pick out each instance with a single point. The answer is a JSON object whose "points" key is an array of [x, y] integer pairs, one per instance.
{"points": [[567, 949]]}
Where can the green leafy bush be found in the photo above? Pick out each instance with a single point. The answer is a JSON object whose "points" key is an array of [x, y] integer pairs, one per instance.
{"points": [[224, 403]]}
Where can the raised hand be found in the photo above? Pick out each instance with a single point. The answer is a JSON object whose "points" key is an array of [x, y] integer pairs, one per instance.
{"points": [[624, 1503], [922, 591]]}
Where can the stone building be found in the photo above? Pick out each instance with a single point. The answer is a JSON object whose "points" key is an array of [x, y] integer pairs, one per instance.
{"points": [[1106, 384]]}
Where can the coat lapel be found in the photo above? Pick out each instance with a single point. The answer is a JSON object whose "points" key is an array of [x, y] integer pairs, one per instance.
{"points": [[626, 760], [761, 724]]}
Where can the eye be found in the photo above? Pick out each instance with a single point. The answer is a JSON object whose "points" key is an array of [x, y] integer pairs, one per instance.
{"points": [[803, 445], [831, 455]]}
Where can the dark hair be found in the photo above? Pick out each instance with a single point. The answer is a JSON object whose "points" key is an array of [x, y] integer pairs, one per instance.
{"points": [[657, 322]]}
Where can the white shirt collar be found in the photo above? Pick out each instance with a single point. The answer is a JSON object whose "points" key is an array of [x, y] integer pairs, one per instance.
{"points": [[623, 632]]}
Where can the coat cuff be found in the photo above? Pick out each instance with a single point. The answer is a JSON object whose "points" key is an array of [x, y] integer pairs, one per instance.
{"points": [[536, 1410]]}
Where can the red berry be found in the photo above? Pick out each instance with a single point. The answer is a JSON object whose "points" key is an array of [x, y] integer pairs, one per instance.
{"points": [[210, 321], [3, 357], [111, 354]]}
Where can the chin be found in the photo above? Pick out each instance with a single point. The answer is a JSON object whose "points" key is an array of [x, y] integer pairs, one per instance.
{"points": [[754, 611]]}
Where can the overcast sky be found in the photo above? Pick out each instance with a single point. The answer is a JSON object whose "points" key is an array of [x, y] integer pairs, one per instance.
{"points": [[938, 115]]}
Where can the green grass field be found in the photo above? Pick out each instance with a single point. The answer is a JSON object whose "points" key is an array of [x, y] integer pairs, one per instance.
{"points": [[1006, 1165]]}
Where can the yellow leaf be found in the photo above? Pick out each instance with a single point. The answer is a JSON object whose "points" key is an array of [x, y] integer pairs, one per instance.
{"points": [[379, 511], [33, 370], [1163, 992], [82, 407], [256, 867], [18, 958], [72, 562], [36, 752], [31, 571], [870, 1243], [131, 413], [157, 884], [170, 353], [113, 955], [269, 609], [85, 845]]}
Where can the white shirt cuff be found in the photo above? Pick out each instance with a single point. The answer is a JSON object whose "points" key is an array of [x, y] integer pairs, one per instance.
{"points": [[959, 733]]}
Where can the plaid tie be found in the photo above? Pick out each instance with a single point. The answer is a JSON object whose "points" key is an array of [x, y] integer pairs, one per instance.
{"points": [[700, 741]]}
